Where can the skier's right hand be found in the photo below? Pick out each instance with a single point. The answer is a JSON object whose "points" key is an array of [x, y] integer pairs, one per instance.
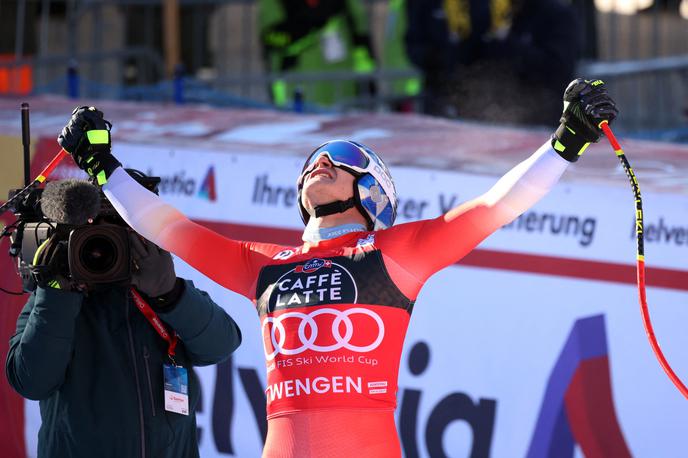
{"points": [[87, 138]]}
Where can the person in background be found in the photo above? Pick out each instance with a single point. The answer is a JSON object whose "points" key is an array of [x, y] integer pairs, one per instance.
{"points": [[108, 383], [401, 93], [311, 36], [444, 34], [490, 61], [529, 65]]}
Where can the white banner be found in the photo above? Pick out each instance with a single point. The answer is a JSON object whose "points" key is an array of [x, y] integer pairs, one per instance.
{"points": [[486, 347], [573, 221]]}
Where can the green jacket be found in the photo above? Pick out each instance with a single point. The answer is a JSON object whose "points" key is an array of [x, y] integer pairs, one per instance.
{"points": [[305, 37], [95, 364], [394, 56]]}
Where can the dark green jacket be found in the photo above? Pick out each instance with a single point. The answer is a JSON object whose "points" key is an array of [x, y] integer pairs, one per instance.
{"points": [[95, 364]]}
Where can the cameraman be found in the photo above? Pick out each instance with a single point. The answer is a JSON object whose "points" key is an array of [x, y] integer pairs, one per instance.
{"points": [[95, 361]]}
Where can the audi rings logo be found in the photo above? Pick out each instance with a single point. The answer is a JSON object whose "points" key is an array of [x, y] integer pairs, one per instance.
{"points": [[274, 331]]}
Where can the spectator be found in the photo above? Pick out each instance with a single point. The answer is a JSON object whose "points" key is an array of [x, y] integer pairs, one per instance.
{"points": [[443, 34], [316, 36], [401, 92], [506, 54], [535, 59]]}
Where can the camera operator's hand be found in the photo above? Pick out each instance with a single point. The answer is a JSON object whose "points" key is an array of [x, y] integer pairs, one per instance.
{"points": [[87, 138], [586, 105], [50, 264], [154, 274]]}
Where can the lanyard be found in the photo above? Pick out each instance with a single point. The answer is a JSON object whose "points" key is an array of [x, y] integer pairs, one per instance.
{"points": [[153, 319]]}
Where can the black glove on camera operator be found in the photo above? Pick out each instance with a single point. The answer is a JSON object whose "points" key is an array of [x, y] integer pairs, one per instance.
{"points": [[153, 274], [50, 263]]}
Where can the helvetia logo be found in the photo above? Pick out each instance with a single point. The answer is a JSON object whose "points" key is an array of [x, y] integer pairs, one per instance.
{"points": [[181, 184], [207, 190]]}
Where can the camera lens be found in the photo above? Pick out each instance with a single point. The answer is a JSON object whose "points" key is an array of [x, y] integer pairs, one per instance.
{"points": [[98, 254]]}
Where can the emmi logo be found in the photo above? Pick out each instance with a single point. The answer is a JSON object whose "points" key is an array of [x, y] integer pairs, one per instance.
{"points": [[180, 183]]}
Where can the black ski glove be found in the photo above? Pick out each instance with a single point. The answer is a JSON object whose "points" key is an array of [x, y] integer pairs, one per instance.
{"points": [[586, 105], [87, 138]]}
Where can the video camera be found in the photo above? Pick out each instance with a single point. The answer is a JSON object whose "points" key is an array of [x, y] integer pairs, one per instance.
{"points": [[77, 214]]}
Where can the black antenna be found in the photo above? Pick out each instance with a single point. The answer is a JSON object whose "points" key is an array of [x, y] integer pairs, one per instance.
{"points": [[26, 140]]}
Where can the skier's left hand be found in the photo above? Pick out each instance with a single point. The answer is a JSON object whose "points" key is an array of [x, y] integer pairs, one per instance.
{"points": [[586, 105]]}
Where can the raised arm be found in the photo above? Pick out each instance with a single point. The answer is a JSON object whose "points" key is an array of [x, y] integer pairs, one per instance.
{"points": [[424, 247], [233, 264]]}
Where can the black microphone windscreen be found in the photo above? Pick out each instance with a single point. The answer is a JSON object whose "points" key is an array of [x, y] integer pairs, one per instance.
{"points": [[70, 201]]}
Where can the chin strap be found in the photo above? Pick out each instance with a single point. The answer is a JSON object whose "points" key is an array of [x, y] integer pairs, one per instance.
{"points": [[339, 206]]}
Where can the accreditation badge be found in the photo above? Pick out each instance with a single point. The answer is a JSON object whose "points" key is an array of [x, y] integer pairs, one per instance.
{"points": [[176, 389]]}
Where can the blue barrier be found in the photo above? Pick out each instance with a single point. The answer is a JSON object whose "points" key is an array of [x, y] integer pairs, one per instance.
{"points": [[179, 90]]}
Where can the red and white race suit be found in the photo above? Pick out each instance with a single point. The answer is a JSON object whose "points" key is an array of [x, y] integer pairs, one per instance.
{"points": [[333, 314]]}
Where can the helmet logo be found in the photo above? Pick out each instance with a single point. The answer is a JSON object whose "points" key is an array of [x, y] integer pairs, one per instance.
{"points": [[375, 194], [382, 174]]}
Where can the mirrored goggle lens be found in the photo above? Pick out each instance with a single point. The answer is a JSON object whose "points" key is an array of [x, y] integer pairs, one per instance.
{"points": [[341, 154]]}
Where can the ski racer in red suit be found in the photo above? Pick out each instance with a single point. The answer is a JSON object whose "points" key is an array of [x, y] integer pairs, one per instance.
{"points": [[334, 311]]}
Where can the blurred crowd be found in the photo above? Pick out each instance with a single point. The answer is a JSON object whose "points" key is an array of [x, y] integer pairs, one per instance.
{"points": [[487, 60], [478, 59]]}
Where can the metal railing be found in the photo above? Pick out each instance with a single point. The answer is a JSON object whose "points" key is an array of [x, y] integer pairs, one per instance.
{"points": [[651, 93]]}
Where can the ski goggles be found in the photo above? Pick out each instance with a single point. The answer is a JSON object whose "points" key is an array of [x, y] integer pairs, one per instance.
{"points": [[340, 154]]}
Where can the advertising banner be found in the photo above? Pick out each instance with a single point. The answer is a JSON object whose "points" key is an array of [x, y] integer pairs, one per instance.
{"points": [[531, 346]]}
